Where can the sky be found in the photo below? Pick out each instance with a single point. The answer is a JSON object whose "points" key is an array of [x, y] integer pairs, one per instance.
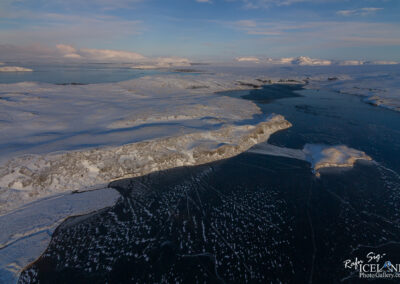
{"points": [[204, 29]]}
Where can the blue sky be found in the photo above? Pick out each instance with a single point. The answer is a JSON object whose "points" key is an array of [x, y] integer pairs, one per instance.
{"points": [[213, 29]]}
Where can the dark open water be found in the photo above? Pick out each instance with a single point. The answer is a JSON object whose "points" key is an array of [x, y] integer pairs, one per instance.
{"points": [[252, 218]]}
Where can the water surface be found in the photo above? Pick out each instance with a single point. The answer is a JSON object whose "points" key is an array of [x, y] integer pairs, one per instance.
{"points": [[89, 73], [252, 218]]}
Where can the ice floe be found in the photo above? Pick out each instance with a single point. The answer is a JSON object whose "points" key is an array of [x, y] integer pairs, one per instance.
{"points": [[92, 54]]}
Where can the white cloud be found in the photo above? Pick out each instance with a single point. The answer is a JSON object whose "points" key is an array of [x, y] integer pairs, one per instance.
{"points": [[77, 5], [65, 53], [262, 28], [109, 55], [359, 12], [68, 51], [257, 4], [204, 1], [26, 27], [62, 52], [340, 33]]}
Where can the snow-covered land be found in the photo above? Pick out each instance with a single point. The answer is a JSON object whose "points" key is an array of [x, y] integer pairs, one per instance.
{"points": [[378, 82], [378, 88], [110, 131], [318, 155], [30, 177], [60, 138], [300, 61], [304, 60], [14, 69], [324, 156], [307, 61]]}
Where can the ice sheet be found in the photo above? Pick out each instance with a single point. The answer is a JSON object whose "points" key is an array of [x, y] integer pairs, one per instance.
{"points": [[25, 233]]}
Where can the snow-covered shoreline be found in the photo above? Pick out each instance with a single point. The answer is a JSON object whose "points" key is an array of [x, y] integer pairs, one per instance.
{"points": [[31, 177], [142, 125], [28, 230]]}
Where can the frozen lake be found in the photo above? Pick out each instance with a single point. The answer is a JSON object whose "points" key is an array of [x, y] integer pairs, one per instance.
{"points": [[74, 73], [253, 217]]}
